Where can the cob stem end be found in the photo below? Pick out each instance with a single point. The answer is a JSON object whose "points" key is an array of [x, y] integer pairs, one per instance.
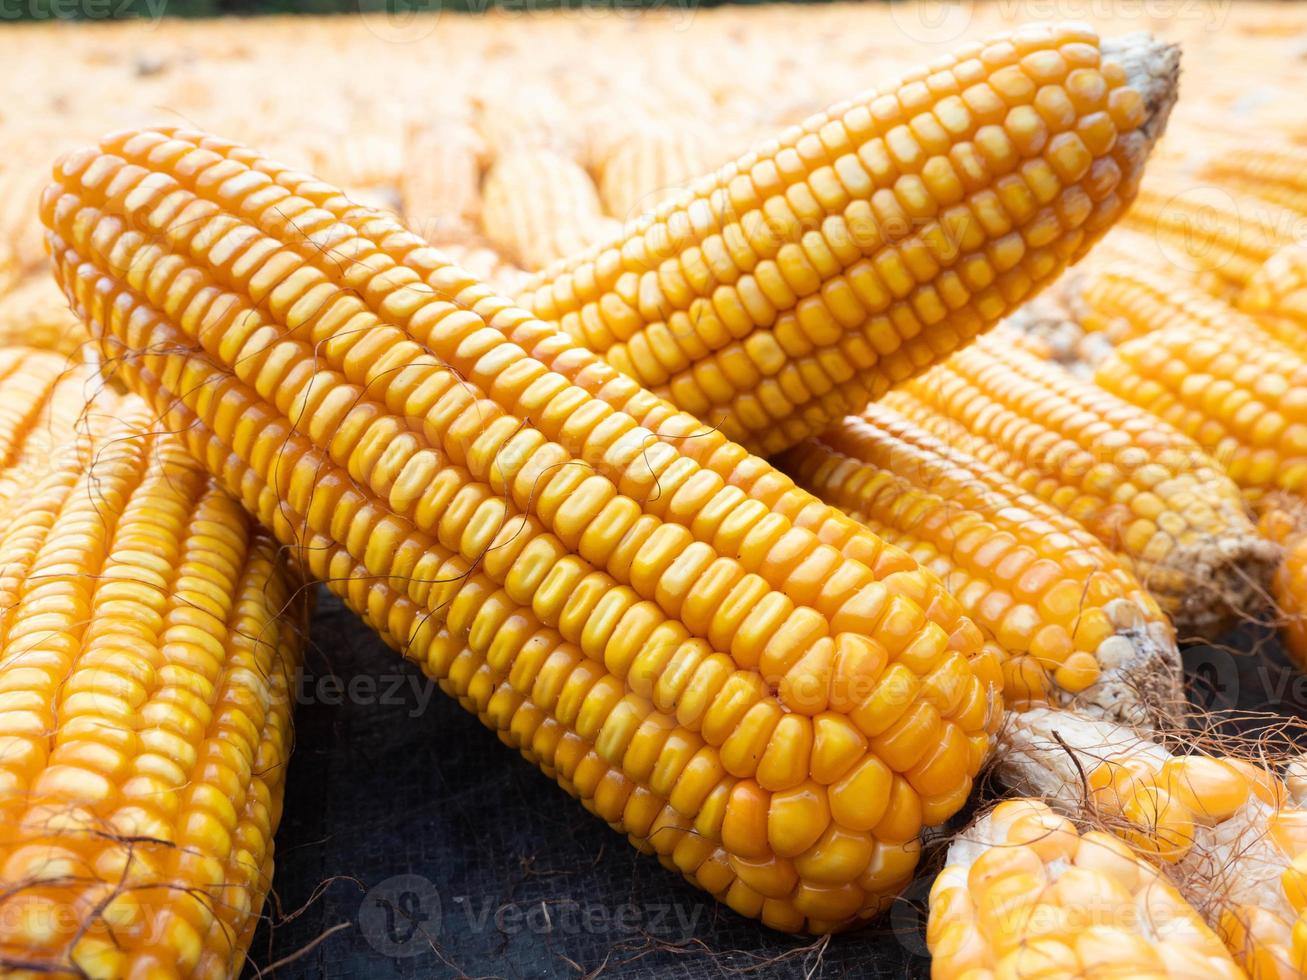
{"points": [[1142, 678], [1153, 67], [1228, 577]]}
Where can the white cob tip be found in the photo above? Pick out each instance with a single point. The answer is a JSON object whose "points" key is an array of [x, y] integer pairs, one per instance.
{"points": [[1153, 68]]}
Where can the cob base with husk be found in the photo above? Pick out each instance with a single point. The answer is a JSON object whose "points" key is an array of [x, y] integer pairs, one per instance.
{"points": [[1221, 828], [1026, 893]]}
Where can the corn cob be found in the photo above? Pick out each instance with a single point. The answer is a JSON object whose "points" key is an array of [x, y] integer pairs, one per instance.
{"points": [[1273, 173], [1025, 894], [799, 282], [1224, 828], [1145, 490], [1207, 229], [1244, 403], [441, 182], [1277, 295], [650, 165], [1074, 620], [1123, 302], [773, 704], [146, 690], [516, 120], [34, 313], [539, 205]]}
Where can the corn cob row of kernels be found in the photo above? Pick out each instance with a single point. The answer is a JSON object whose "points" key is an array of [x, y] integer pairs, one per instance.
{"points": [[1223, 827], [1208, 229], [150, 635], [441, 182], [538, 206], [1075, 623], [1144, 489], [382, 415], [1123, 302], [1024, 893], [1273, 173], [1244, 403], [34, 313], [1277, 295], [651, 164], [799, 282]]}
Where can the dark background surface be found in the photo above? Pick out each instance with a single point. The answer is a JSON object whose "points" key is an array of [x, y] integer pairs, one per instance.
{"points": [[399, 804]]}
